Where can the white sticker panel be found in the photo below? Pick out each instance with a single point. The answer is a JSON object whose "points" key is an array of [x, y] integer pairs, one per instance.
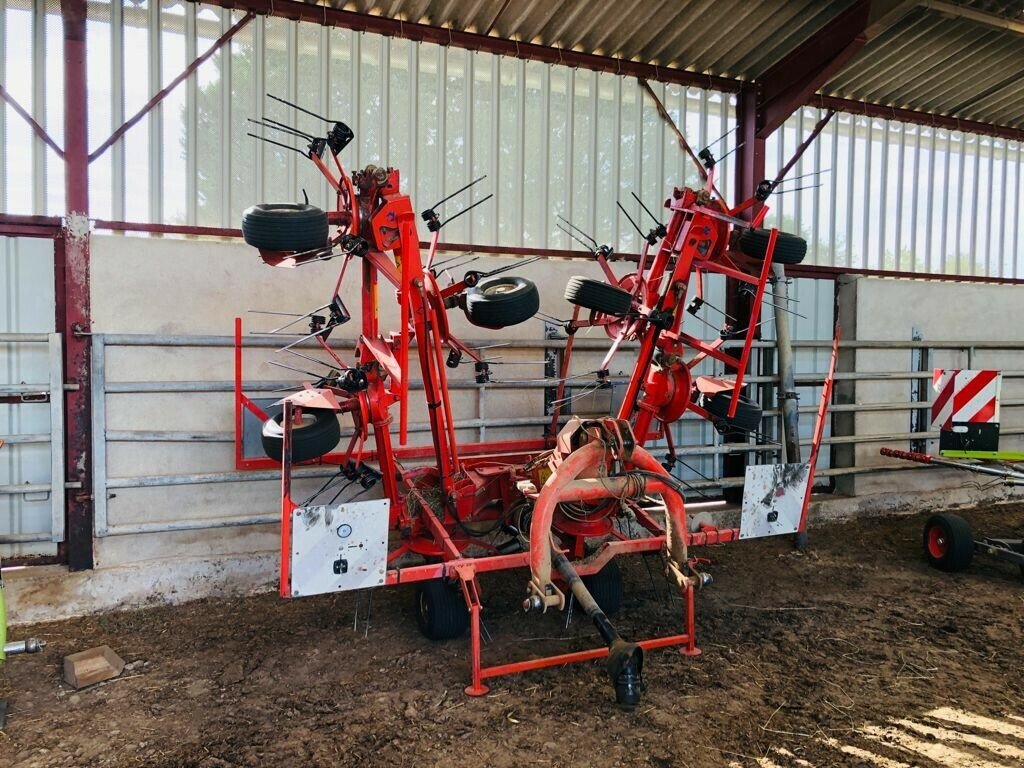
{"points": [[773, 499], [335, 549]]}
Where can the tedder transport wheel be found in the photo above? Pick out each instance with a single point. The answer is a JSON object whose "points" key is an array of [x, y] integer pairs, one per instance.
{"points": [[498, 302], [789, 249], [606, 588], [948, 543], [598, 295], [317, 435], [441, 610], [285, 227], [748, 413]]}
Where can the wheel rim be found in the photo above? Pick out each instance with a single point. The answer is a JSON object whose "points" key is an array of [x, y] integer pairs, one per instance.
{"points": [[937, 542], [499, 290], [308, 420], [424, 610]]}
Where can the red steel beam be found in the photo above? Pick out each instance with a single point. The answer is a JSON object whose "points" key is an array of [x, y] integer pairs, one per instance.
{"points": [[162, 94], [12, 225], [790, 82], [426, 33], [750, 160], [72, 264], [823, 272], [749, 170], [917, 118], [39, 130]]}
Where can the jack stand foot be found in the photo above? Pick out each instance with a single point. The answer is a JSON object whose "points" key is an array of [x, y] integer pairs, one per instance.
{"points": [[690, 651], [481, 690]]}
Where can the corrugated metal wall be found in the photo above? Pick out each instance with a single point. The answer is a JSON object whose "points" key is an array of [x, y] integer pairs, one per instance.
{"points": [[904, 197], [552, 140]]}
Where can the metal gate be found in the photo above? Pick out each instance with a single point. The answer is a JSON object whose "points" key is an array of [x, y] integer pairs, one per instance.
{"points": [[31, 401]]}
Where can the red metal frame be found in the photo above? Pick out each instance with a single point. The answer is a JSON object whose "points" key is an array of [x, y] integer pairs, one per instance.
{"points": [[598, 464], [71, 277], [793, 79], [819, 425]]}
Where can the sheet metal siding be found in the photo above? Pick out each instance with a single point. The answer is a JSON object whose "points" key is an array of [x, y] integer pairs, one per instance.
{"points": [[552, 140], [888, 195], [928, 59]]}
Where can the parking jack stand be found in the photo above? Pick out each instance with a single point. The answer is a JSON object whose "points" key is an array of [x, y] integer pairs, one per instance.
{"points": [[471, 591]]}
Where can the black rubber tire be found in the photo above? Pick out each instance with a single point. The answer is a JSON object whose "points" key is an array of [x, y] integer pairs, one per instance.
{"points": [[598, 295], [501, 301], [441, 611], [789, 249], [748, 412], [285, 227], [606, 588], [310, 441], [959, 541]]}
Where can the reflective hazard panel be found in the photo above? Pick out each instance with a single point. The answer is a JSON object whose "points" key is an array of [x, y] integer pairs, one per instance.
{"points": [[773, 499], [339, 548]]}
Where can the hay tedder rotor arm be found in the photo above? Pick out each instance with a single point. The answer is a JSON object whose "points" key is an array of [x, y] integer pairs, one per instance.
{"points": [[449, 503]]}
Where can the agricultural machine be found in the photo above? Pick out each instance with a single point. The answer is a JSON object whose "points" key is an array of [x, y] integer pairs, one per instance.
{"points": [[965, 410], [452, 511]]}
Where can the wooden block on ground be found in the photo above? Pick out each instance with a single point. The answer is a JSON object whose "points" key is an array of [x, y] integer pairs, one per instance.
{"points": [[92, 666]]}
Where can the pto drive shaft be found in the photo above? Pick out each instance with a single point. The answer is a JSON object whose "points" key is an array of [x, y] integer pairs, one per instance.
{"points": [[625, 660]]}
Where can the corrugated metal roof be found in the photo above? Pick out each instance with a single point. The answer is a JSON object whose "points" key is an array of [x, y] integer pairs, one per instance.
{"points": [[930, 60], [731, 38], [933, 62]]}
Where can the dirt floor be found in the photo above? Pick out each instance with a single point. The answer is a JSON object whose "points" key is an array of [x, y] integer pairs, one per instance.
{"points": [[853, 653]]}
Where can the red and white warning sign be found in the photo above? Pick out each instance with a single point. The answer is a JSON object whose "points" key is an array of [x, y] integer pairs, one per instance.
{"points": [[965, 397]]}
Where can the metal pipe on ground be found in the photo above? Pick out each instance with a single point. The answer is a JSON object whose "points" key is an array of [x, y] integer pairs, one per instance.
{"points": [[788, 400]]}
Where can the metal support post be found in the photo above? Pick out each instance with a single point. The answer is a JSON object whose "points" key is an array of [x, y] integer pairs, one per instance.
{"points": [[788, 400], [74, 318]]}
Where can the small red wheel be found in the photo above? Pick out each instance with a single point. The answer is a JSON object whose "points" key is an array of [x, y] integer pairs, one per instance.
{"points": [[936, 543], [948, 543]]}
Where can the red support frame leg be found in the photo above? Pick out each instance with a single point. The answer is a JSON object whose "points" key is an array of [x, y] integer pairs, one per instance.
{"points": [[471, 591], [687, 641], [690, 646]]}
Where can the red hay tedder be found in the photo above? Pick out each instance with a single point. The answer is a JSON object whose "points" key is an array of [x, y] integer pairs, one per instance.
{"points": [[555, 499]]}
